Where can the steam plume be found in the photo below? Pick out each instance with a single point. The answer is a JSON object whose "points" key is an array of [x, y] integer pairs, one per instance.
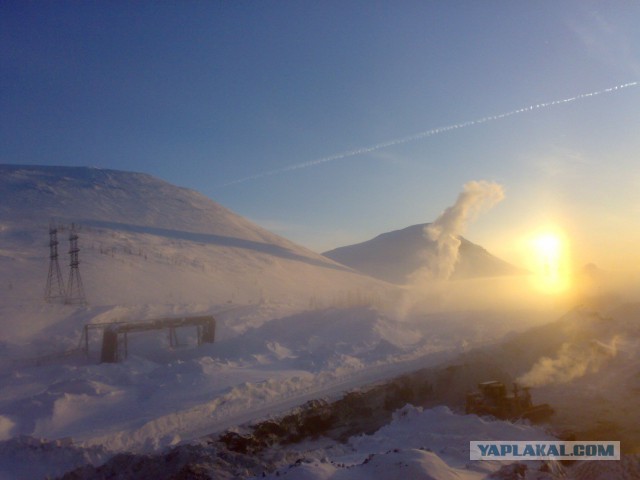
{"points": [[425, 134], [573, 361], [476, 196]]}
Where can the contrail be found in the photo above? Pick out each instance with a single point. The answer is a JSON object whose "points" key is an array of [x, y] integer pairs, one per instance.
{"points": [[426, 133]]}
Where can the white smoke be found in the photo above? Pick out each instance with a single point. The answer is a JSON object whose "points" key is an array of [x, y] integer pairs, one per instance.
{"points": [[573, 361], [476, 197]]}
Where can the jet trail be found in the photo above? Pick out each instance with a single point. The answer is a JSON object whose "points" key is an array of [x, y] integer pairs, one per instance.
{"points": [[424, 134]]}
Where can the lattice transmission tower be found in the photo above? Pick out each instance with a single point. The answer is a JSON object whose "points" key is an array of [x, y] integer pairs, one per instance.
{"points": [[54, 290], [75, 289]]}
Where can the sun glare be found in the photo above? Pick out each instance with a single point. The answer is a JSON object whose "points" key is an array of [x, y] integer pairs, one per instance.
{"points": [[549, 262]]}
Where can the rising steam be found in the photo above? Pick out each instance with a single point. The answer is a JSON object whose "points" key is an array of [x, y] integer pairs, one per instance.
{"points": [[573, 361], [476, 197]]}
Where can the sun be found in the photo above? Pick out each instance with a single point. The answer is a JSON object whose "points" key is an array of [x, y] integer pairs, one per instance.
{"points": [[549, 262]]}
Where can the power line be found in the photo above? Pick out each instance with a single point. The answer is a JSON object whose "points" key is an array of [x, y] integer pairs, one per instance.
{"points": [[54, 290], [75, 289]]}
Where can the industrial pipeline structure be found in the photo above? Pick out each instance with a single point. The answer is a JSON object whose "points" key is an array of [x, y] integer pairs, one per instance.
{"points": [[115, 335]]}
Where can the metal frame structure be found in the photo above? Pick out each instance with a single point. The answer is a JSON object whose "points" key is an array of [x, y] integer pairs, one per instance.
{"points": [[75, 289], [115, 338], [54, 290]]}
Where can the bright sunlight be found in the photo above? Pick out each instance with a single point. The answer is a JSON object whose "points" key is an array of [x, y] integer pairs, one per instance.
{"points": [[549, 262]]}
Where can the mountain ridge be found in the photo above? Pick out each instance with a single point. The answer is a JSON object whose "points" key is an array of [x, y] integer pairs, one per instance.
{"points": [[106, 188], [145, 240], [393, 256]]}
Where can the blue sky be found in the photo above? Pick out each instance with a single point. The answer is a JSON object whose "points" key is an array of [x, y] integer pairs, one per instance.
{"points": [[203, 94]]}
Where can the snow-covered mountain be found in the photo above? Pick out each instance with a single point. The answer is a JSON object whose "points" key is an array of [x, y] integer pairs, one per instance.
{"points": [[143, 240], [150, 249], [394, 256]]}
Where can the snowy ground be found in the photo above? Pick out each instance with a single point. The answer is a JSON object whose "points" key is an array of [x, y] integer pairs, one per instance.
{"points": [[267, 358], [292, 326], [161, 395], [418, 443]]}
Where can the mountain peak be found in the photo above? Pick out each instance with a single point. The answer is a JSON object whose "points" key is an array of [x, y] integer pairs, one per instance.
{"points": [[394, 256]]}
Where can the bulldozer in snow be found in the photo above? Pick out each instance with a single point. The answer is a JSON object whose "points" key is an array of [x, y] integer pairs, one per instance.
{"points": [[493, 399]]}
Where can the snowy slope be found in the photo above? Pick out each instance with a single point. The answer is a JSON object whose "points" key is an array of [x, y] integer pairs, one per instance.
{"points": [[394, 256], [258, 364], [424, 444], [417, 444], [66, 194], [149, 249], [292, 326], [143, 240]]}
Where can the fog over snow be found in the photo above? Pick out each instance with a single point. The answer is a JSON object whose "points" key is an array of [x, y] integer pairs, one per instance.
{"points": [[292, 326]]}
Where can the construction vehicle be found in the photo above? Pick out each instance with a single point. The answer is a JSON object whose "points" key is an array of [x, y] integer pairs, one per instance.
{"points": [[494, 400]]}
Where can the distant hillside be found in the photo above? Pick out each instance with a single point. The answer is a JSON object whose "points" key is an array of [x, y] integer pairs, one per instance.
{"points": [[143, 240], [393, 256], [125, 198]]}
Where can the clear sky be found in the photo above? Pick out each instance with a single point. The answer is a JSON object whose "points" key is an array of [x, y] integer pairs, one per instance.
{"points": [[211, 95]]}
